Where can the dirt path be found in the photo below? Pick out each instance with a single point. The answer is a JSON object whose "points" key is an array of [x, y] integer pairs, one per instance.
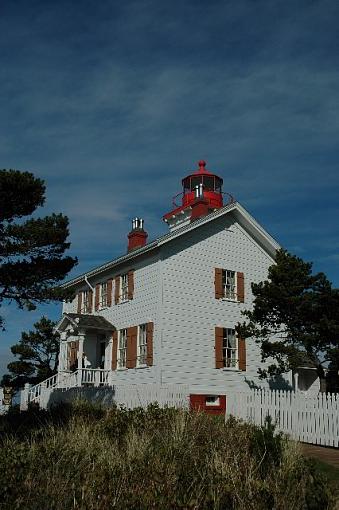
{"points": [[323, 453]]}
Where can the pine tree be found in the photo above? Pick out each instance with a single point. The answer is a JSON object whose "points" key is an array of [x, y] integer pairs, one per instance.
{"points": [[295, 318], [31, 250], [38, 355]]}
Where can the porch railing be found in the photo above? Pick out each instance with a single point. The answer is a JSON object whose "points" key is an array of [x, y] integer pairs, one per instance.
{"points": [[82, 377]]}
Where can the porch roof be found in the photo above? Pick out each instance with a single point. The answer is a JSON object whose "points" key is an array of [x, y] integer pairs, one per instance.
{"points": [[84, 321]]}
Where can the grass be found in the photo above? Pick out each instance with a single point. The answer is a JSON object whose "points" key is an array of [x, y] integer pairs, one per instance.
{"points": [[85, 457]]}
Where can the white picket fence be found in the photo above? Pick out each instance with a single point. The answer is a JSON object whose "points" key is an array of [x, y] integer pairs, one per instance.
{"points": [[311, 419], [169, 395]]}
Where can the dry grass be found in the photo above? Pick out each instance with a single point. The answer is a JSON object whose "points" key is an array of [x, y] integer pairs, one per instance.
{"points": [[87, 458]]}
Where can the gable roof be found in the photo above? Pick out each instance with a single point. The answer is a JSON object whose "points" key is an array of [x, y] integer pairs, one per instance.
{"points": [[263, 238], [84, 321]]}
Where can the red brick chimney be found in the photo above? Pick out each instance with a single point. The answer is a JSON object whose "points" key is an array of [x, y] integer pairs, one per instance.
{"points": [[200, 206], [137, 236]]}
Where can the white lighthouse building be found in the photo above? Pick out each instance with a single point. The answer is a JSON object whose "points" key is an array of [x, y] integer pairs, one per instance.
{"points": [[165, 312]]}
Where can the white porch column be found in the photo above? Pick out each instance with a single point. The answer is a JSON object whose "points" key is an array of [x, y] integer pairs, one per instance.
{"points": [[62, 366], [81, 338], [296, 381], [24, 397]]}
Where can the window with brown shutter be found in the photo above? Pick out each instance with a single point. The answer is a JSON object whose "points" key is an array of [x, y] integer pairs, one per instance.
{"points": [[218, 287], [149, 330], [117, 290], [97, 296], [132, 337], [219, 336], [114, 350], [109, 292], [229, 285], [130, 278], [242, 353], [79, 302], [240, 287]]}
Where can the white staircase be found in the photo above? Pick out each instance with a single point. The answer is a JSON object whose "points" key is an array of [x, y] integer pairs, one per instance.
{"points": [[40, 393]]}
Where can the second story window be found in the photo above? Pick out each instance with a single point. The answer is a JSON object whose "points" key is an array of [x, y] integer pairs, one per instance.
{"points": [[124, 287], [86, 301], [122, 348], [142, 345], [103, 294], [229, 349], [229, 284]]}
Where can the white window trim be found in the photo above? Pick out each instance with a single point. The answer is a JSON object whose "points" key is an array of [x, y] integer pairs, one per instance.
{"points": [[101, 306], [216, 403], [85, 309], [236, 349], [124, 367], [138, 364], [235, 299], [123, 298]]}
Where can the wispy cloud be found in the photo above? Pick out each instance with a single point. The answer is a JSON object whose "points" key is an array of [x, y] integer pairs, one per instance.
{"points": [[113, 103]]}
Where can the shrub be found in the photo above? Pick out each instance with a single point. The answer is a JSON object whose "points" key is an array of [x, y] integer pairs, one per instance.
{"points": [[83, 457]]}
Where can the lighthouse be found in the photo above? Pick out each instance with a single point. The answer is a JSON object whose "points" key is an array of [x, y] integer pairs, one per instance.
{"points": [[201, 194]]}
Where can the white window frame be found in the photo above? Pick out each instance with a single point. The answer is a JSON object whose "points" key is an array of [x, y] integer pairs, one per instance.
{"points": [[229, 289], [85, 301], [142, 345], [103, 295], [212, 401], [122, 349], [124, 288], [229, 353]]}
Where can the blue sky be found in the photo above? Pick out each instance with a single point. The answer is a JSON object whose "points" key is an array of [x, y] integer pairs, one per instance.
{"points": [[113, 102]]}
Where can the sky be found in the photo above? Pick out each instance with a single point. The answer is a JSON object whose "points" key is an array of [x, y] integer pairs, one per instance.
{"points": [[112, 103]]}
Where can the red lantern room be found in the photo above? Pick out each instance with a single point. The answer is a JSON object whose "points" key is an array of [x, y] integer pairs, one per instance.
{"points": [[211, 185], [202, 194]]}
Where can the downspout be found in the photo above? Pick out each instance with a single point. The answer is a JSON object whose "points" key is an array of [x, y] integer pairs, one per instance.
{"points": [[86, 280]]}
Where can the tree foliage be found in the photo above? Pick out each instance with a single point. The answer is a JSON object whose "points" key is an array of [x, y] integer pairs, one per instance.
{"points": [[37, 353], [295, 318], [31, 250]]}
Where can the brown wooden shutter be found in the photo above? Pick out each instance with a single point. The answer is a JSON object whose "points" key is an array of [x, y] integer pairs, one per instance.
{"points": [[240, 287], [149, 337], [117, 290], [79, 301], [130, 284], [114, 350], [109, 292], [219, 339], [97, 296], [242, 353], [90, 301], [132, 337], [218, 288]]}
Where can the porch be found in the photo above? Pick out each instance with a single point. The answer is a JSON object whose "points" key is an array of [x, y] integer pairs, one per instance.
{"points": [[85, 343]]}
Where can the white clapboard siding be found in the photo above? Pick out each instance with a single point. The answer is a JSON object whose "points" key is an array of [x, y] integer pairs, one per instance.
{"points": [[308, 418], [191, 312]]}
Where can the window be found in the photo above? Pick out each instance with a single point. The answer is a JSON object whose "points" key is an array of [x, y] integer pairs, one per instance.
{"points": [[229, 349], [122, 348], [142, 345], [229, 284], [212, 400], [103, 294], [124, 288], [87, 301]]}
